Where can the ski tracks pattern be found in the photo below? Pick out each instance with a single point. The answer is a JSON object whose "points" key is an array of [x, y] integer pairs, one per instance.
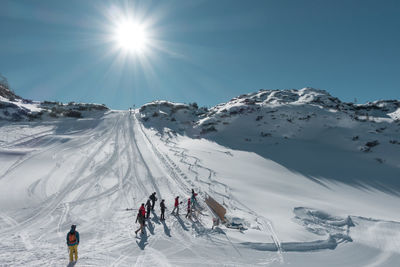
{"points": [[213, 186], [118, 167]]}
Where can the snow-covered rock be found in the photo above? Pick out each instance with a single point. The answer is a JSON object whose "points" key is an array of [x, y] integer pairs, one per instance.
{"points": [[273, 116], [15, 108]]}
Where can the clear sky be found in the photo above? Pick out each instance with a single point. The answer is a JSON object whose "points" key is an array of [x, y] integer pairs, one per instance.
{"points": [[122, 53]]}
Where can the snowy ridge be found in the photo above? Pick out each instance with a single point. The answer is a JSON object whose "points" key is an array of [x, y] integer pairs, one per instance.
{"points": [[253, 122], [15, 108], [304, 104]]}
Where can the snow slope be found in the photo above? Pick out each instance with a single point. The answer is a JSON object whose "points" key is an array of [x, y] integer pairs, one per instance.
{"points": [[88, 172], [308, 193]]}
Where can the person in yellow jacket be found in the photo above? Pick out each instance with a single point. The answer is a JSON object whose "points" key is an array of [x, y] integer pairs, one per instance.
{"points": [[73, 242]]}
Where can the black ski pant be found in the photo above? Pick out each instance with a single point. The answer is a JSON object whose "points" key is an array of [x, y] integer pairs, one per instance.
{"points": [[148, 213], [162, 214], [189, 213]]}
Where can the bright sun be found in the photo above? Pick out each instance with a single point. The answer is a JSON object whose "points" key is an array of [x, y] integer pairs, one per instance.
{"points": [[131, 37]]}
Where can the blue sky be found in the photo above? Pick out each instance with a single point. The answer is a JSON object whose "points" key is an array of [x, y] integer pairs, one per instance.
{"points": [[200, 51]]}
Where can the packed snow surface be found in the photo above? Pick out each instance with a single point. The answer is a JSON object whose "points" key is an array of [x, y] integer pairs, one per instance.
{"points": [[310, 181]]}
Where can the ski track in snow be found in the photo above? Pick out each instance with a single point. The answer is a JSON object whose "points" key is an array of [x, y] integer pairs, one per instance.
{"points": [[102, 171], [190, 183], [112, 173], [181, 153]]}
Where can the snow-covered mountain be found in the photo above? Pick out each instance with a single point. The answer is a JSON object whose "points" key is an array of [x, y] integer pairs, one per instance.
{"points": [[15, 108], [306, 180], [281, 112], [308, 123], [264, 99]]}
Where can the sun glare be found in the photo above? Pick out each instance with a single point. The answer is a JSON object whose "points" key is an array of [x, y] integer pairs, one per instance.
{"points": [[131, 37]]}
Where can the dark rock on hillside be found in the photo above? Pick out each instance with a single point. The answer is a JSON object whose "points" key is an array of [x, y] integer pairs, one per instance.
{"points": [[5, 90]]}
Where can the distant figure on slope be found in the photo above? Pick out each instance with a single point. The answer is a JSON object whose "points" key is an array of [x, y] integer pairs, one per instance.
{"points": [[73, 242], [176, 206], [148, 206], [162, 207], [189, 210], [193, 199], [153, 199], [141, 218]]}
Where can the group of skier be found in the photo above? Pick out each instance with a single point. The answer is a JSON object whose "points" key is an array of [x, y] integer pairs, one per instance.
{"points": [[145, 209], [143, 214]]}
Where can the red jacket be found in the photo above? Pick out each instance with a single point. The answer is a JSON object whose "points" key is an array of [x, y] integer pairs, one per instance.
{"points": [[142, 211], [176, 202]]}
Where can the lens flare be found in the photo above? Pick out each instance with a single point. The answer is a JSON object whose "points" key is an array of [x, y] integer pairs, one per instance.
{"points": [[131, 37]]}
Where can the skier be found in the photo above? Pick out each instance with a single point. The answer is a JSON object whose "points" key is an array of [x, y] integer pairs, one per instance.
{"points": [[162, 207], [141, 217], [148, 206], [153, 199], [189, 210], [176, 206], [73, 242], [142, 211], [194, 195], [193, 199]]}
